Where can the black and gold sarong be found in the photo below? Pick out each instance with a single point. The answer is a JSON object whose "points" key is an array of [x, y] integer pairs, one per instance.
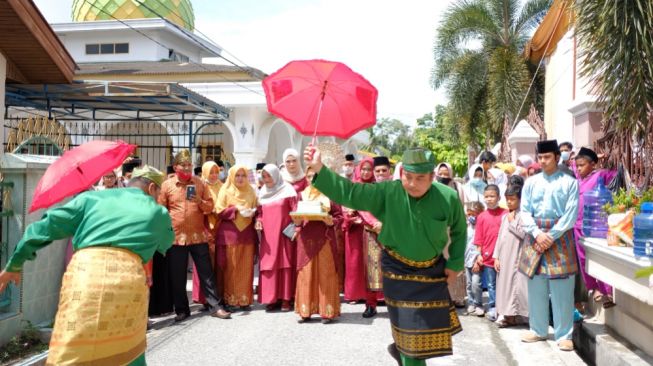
{"points": [[422, 315]]}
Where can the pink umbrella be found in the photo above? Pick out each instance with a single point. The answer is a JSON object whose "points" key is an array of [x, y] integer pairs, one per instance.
{"points": [[77, 170], [304, 93]]}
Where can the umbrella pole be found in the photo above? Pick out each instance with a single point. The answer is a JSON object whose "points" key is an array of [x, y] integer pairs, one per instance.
{"points": [[319, 112]]}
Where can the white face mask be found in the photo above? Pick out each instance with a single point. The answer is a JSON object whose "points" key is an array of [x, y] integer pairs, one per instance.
{"points": [[347, 170], [564, 156]]}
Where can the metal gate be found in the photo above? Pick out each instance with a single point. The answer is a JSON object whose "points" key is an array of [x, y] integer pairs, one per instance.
{"points": [[156, 140]]}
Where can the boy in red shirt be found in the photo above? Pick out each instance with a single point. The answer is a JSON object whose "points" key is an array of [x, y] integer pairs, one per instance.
{"points": [[485, 238]]}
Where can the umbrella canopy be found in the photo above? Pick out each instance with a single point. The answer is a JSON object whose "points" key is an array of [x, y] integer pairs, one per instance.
{"points": [[323, 98], [77, 170]]}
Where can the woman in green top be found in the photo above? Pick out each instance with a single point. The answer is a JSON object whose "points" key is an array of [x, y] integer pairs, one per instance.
{"points": [[102, 314], [419, 217]]}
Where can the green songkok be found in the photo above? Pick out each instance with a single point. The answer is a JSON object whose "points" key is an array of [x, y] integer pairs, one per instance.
{"points": [[150, 173], [418, 161]]}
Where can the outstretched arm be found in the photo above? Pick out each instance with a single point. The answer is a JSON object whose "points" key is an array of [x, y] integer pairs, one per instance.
{"points": [[357, 196], [57, 223]]}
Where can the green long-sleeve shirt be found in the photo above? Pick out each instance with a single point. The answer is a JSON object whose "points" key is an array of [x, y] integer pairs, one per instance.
{"points": [[123, 218], [415, 228]]}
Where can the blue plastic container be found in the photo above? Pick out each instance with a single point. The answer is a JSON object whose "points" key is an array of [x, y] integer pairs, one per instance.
{"points": [[595, 220], [643, 225]]}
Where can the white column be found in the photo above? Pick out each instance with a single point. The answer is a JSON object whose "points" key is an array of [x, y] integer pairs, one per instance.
{"points": [[246, 121]]}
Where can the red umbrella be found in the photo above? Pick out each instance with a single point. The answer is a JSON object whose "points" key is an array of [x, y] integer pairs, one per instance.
{"points": [[77, 170], [303, 93]]}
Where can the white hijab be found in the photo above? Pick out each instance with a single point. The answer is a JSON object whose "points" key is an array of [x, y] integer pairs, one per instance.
{"points": [[474, 193], [280, 190], [292, 178], [525, 160]]}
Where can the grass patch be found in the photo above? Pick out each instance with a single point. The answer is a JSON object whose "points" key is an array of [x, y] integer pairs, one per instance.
{"points": [[28, 342]]}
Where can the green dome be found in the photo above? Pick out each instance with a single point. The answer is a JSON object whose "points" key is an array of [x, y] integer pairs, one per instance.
{"points": [[176, 11]]}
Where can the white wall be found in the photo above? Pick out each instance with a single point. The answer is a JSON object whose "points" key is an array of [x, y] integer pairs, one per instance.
{"points": [[280, 140], [188, 48], [140, 48], [559, 96]]}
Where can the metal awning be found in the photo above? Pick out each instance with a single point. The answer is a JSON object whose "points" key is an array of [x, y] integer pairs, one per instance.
{"points": [[84, 100]]}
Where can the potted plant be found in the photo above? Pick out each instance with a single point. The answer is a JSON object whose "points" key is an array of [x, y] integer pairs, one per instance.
{"points": [[621, 212]]}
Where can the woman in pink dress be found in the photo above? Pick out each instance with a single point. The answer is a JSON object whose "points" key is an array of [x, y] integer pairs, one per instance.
{"points": [[276, 200], [292, 170], [354, 227]]}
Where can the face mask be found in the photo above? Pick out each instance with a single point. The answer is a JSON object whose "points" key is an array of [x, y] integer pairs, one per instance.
{"points": [[259, 177], [347, 170], [382, 179], [444, 180], [491, 181], [183, 176], [564, 156], [472, 220], [222, 175], [477, 182]]}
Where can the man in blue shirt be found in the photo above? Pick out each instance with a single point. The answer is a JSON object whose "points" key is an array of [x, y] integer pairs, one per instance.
{"points": [[549, 207]]}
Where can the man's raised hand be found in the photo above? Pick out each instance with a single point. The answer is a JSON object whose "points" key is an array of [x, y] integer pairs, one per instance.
{"points": [[313, 158]]}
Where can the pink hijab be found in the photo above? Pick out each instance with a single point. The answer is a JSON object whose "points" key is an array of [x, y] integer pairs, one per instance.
{"points": [[357, 172]]}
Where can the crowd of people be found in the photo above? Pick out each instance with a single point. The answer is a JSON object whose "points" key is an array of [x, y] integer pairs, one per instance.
{"points": [[529, 204], [510, 228]]}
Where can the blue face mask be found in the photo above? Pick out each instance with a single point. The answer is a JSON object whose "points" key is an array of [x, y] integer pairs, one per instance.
{"points": [[564, 156], [472, 220], [477, 182], [222, 175]]}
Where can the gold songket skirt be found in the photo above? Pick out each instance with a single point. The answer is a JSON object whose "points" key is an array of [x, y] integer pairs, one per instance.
{"points": [[102, 315]]}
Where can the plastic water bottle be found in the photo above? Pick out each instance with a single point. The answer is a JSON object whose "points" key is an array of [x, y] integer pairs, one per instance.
{"points": [[595, 220], [643, 225]]}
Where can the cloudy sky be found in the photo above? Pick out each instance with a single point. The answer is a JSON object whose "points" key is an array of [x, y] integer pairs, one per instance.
{"points": [[388, 42]]}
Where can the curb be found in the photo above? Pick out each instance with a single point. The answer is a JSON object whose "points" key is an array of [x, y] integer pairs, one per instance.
{"points": [[601, 347]]}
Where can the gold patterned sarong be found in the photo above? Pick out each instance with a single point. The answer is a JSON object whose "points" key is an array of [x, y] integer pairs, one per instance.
{"points": [[373, 271], [102, 315]]}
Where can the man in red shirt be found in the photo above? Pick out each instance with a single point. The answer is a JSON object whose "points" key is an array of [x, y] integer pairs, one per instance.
{"points": [[188, 200], [485, 238]]}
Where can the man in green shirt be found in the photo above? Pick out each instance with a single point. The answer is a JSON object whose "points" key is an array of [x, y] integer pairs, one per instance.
{"points": [[419, 219], [102, 314]]}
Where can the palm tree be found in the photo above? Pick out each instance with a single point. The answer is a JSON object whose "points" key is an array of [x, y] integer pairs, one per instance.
{"points": [[617, 39], [478, 59]]}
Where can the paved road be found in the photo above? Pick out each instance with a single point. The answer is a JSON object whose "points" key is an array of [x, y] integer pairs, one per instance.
{"points": [[260, 338]]}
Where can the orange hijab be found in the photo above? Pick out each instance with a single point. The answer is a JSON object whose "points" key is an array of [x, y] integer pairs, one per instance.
{"points": [[230, 195], [215, 187]]}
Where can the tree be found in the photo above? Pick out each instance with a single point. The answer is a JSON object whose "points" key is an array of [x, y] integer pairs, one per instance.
{"points": [[437, 133], [617, 42], [478, 59], [389, 137]]}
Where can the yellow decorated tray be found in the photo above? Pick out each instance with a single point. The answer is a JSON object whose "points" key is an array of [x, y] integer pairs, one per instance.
{"points": [[309, 216]]}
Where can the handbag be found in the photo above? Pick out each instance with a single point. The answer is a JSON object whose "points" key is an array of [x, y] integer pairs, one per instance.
{"points": [[289, 231], [529, 258]]}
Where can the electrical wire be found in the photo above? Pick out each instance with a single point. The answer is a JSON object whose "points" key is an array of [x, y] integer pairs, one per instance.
{"points": [[198, 31], [166, 47]]}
